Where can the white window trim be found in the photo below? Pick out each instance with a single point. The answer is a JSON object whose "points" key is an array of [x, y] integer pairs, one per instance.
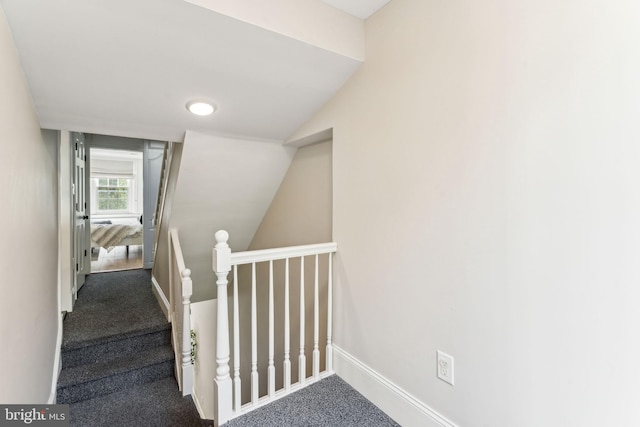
{"points": [[136, 193], [132, 202]]}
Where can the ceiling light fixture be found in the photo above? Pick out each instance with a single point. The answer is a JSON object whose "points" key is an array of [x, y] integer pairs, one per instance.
{"points": [[201, 108]]}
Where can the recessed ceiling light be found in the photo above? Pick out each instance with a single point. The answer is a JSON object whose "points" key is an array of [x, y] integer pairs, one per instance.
{"points": [[201, 108]]}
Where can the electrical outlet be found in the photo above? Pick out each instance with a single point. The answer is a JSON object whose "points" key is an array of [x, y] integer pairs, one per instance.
{"points": [[444, 365]]}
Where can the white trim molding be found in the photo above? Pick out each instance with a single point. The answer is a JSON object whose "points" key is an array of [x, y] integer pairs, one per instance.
{"points": [[57, 361], [199, 406], [162, 300], [404, 408]]}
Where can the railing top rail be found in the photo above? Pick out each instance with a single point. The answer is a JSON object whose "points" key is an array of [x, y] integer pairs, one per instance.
{"points": [[248, 257], [177, 249]]}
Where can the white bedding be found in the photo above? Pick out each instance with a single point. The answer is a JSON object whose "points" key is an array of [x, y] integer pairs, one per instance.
{"points": [[110, 235]]}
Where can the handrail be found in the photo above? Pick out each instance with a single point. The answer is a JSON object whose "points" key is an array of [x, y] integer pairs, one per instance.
{"points": [[261, 255], [166, 158], [162, 192], [177, 249]]}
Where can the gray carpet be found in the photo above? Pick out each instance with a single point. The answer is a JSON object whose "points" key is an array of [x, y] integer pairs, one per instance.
{"points": [[119, 303], [330, 402], [118, 364], [117, 360], [157, 404]]}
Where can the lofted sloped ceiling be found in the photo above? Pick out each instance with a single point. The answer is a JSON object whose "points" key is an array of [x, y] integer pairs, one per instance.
{"points": [[128, 67]]}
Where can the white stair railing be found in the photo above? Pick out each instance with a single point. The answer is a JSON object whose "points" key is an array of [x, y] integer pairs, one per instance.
{"points": [[181, 288], [167, 155], [227, 391]]}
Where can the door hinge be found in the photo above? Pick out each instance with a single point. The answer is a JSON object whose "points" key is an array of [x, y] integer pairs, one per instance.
{"points": [[85, 157], [85, 205], [85, 252], [77, 267], [76, 146]]}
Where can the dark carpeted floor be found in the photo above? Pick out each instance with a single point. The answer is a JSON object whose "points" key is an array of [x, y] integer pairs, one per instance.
{"points": [[111, 304], [330, 402], [122, 304], [116, 314], [157, 404]]}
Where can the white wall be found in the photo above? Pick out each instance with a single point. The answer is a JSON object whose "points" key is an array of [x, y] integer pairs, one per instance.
{"points": [[299, 214], [223, 183], [203, 322], [311, 21], [29, 305], [486, 204], [110, 142]]}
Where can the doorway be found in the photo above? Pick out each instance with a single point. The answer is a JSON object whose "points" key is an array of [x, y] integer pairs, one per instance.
{"points": [[116, 201]]}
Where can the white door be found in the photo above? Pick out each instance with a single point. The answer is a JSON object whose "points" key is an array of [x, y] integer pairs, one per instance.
{"points": [[153, 157], [80, 250]]}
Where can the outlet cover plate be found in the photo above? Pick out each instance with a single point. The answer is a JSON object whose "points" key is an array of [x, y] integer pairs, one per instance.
{"points": [[444, 366]]}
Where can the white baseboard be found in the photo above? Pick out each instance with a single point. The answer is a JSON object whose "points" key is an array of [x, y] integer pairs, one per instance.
{"points": [[162, 300], [199, 407], [404, 408], [57, 363]]}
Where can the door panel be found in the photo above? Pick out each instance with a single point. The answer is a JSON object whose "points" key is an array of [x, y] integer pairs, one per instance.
{"points": [[153, 156], [80, 250]]}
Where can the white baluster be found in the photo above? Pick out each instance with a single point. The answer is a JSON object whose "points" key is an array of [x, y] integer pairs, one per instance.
{"points": [[302, 360], [316, 324], [187, 369], [329, 352], [237, 404], [254, 337], [287, 331], [223, 387], [271, 369]]}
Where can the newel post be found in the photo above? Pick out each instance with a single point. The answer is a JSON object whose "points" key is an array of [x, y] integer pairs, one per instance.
{"points": [[223, 387], [187, 368]]}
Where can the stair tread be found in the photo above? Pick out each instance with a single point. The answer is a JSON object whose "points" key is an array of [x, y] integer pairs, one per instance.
{"points": [[102, 351], [159, 401], [74, 345], [113, 366]]}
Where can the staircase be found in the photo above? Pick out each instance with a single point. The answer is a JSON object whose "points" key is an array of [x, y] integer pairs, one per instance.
{"points": [[114, 363], [117, 360]]}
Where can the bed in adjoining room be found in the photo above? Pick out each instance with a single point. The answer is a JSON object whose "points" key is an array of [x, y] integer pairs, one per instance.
{"points": [[109, 236]]}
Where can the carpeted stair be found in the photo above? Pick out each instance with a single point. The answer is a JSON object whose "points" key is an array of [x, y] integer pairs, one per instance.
{"points": [[117, 369], [117, 359], [113, 364]]}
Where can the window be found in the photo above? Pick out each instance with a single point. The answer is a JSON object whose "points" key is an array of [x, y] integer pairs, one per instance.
{"points": [[113, 194], [116, 188]]}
